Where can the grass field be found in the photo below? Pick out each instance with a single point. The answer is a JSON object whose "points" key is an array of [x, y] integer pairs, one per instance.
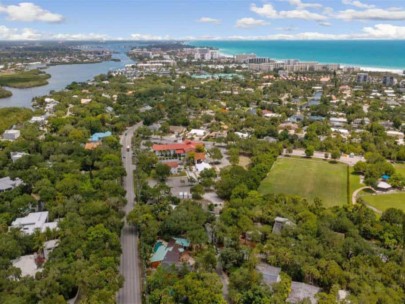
{"points": [[308, 178], [354, 182], [26, 79], [385, 201]]}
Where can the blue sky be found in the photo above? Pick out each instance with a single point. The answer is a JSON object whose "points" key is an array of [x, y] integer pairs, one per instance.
{"points": [[202, 19]]}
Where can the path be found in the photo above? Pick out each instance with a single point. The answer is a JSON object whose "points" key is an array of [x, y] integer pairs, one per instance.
{"points": [[131, 292], [351, 161], [354, 198]]}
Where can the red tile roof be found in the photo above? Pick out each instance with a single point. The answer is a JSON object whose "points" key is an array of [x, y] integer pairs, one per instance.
{"points": [[180, 148]]}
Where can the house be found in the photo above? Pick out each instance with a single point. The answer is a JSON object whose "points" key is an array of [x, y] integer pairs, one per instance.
{"points": [[26, 264], [396, 134], [202, 166], [171, 253], [100, 136], [49, 246], [383, 186], [174, 166], [85, 101], [92, 145], [11, 134], [41, 120], [337, 121], [177, 130], [242, 135], [197, 132], [17, 155], [280, 223], [30, 264], [269, 273], [301, 291], [176, 149], [33, 221], [6, 183]]}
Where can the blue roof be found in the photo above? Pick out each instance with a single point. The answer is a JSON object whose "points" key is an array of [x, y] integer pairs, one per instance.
{"points": [[385, 176], [182, 242], [99, 136], [160, 254]]}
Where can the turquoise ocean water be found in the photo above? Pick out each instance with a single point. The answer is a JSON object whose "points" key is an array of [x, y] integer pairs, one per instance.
{"points": [[382, 54]]}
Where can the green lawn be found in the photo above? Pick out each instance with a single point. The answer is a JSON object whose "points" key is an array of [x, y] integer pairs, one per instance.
{"points": [[385, 201], [308, 178], [354, 180]]}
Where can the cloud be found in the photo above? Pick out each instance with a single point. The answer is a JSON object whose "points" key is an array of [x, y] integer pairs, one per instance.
{"points": [[268, 11], [149, 37], [250, 23], [28, 12], [300, 5], [18, 34], [7, 33], [385, 31], [372, 14], [324, 23], [357, 4], [209, 20]]}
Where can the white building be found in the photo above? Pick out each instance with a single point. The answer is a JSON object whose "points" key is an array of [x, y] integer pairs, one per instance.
{"points": [[338, 121], [197, 132], [11, 134], [33, 221], [6, 183], [242, 135], [38, 119], [17, 155]]}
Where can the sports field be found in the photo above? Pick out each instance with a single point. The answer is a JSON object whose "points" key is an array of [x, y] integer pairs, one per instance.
{"points": [[384, 201], [308, 178]]}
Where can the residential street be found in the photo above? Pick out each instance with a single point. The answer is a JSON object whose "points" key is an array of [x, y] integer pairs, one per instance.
{"points": [[131, 293]]}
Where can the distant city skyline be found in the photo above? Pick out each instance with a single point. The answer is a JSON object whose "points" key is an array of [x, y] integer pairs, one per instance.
{"points": [[202, 20]]}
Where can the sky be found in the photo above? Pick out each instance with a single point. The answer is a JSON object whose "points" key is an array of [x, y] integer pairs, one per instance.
{"points": [[201, 19]]}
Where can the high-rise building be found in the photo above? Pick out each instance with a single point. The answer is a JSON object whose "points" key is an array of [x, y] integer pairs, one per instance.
{"points": [[362, 78], [388, 80]]}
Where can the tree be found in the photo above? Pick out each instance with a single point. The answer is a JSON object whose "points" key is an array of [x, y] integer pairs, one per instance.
{"points": [[233, 156], [162, 171], [215, 154], [309, 151], [335, 155], [360, 167]]}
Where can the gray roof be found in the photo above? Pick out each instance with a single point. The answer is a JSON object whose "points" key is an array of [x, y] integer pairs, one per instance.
{"points": [[6, 183], [270, 274], [301, 291]]}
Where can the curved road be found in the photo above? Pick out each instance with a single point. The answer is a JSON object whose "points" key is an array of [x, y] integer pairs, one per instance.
{"points": [[131, 292]]}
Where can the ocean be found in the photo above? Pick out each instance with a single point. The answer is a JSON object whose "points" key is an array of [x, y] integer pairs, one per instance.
{"points": [[368, 54]]}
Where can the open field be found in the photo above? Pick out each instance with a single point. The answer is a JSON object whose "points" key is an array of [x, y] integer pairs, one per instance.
{"points": [[354, 182], [384, 201], [11, 116], [26, 79], [308, 178]]}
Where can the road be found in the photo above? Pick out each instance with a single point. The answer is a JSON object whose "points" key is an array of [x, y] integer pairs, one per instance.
{"points": [[131, 292], [351, 161]]}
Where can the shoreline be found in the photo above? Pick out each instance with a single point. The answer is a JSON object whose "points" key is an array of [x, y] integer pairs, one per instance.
{"points": [[396, 71]]}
